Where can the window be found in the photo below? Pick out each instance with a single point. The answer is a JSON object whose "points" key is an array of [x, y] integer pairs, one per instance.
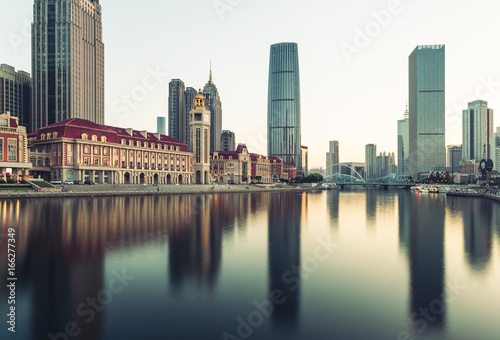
{"points": [[47, 162], [4, 122], [97, 150], [105, 161], [85, 136], [55, 134], [49, 135], [96, 161], [32, 161], [94, 137], [103, 139], [106, 151], [86, 149], [12, 149], [123, 142], [1, 149], [86, 161]]}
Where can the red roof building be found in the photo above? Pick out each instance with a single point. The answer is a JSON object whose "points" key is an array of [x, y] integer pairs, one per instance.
{"points": [[13, 149], [240, 166], [78, 149]]}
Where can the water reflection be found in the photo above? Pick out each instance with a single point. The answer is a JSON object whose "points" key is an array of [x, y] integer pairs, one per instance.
{"points": [[332, 203], [371, 206], [478, 224], [284, 256], [404, 220], [426, 251]]}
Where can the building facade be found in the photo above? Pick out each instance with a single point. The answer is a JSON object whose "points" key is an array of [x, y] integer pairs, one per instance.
{"points": [[477, 123], [383, 165], [454, 157], [15, 94], [371, 160], [403, 145], [67, 62], [161, 125], [77, 149], [228, 141], [176, 110], [13, 149], [214, 105], [305, 160], [427, 109], [200, 140], [354, 169], [240, 166], [495, 149], [332, 158], [283, 110]]}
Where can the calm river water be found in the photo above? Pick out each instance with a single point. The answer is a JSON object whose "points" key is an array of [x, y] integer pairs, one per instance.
{"points": [[330, 265]]}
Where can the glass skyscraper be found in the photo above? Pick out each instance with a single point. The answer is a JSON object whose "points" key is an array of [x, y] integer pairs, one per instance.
{"points": [[15, 94], [213, 104], [427, 109], [403, 145], [161, 124], [176, 110], [67, 62], [283, 110], [477, 123], [371, 160]]}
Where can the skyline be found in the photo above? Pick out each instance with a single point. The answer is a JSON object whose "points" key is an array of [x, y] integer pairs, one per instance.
{"points": [[239, 51]]}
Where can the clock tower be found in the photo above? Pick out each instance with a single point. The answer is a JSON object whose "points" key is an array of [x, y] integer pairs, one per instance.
{"points": [[200, 139]]}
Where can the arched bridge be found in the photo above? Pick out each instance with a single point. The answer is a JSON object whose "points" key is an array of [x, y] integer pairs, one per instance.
{"points": [[390, 180]]}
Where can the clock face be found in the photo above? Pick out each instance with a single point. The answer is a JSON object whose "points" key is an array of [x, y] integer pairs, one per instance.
{"points": [[482, 165]]}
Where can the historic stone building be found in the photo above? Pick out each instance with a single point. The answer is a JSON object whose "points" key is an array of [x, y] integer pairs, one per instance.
{"points": [[13, 149], [78, 149]]}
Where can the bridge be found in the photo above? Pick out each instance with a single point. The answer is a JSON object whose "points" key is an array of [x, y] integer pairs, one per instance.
{"points": [[386, 181]]}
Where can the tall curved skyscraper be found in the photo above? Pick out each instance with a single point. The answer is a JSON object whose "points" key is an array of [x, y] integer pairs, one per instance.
{"points": [[283, 109]]}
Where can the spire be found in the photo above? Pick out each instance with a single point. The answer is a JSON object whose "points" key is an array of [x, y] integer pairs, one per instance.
{"points": [[210, 78], [407, 113]]}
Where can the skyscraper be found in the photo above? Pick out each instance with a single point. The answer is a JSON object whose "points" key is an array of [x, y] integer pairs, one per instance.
{"points": [[214, 105], [67, 62], [403, 145], [371, 160], [454, 157], [176, 110], [189, 104], [15, 94], [283, 109], [495, 149], [477, 130], [227, 141], [332, 158], [161, 125], [305, 160], [427, 109]]}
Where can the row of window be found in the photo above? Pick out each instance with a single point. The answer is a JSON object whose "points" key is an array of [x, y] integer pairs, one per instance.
{"points": [[11, 149]]}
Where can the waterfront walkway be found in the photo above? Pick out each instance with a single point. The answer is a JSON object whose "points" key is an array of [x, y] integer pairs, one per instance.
{"points": [[475, 194], [142, 190]]}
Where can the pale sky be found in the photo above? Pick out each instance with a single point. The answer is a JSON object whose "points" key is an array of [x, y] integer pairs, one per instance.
{"points": [[354, 98]]}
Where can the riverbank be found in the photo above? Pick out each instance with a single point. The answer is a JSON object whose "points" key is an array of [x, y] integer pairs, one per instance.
{"points": [[73, 191], [475, 195]]}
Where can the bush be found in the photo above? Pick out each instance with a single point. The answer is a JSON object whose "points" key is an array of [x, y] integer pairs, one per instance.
{"points": [[11, 181], [24, 181], [2, 181]]}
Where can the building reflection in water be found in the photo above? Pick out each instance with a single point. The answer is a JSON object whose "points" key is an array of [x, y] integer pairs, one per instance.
{"points": [[426, 253], [284, 256], [371, 206], [478, 225], [404, 220], [332, 204]]}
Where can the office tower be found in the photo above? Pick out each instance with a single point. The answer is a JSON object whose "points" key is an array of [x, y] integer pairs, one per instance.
{"points": [[227, 141], [15, 94], [454, 157], [371, 160], [477, 129], [67, 62], [427, 109], [305, 160], [403, 144], [176, 110], [161, 125], [214, 105], [495, 149], [283, 108], [189, 103], [332, 158], [200, 139], [383, 164]]}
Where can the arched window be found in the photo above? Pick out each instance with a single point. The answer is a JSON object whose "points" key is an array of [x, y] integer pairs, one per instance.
{"points": [[104, 139], [55, 134], [42, 136], [86, 149], [85, 136], [94, 137], [49, 135]]}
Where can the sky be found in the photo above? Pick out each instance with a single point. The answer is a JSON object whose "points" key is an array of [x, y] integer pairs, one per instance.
{"points": [[353, 62]]}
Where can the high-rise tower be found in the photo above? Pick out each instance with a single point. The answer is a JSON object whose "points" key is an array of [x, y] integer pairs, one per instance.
{"points": [[477, 130], [200, 140], [15, 94], [176, 110], [403, 144], [427, 109], [283, 108], [371, 160], [214, 105], [67, 62]]}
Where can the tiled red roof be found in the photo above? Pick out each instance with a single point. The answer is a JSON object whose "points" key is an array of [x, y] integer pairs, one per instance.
{"points": [[75, 127], [240, 148]]}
